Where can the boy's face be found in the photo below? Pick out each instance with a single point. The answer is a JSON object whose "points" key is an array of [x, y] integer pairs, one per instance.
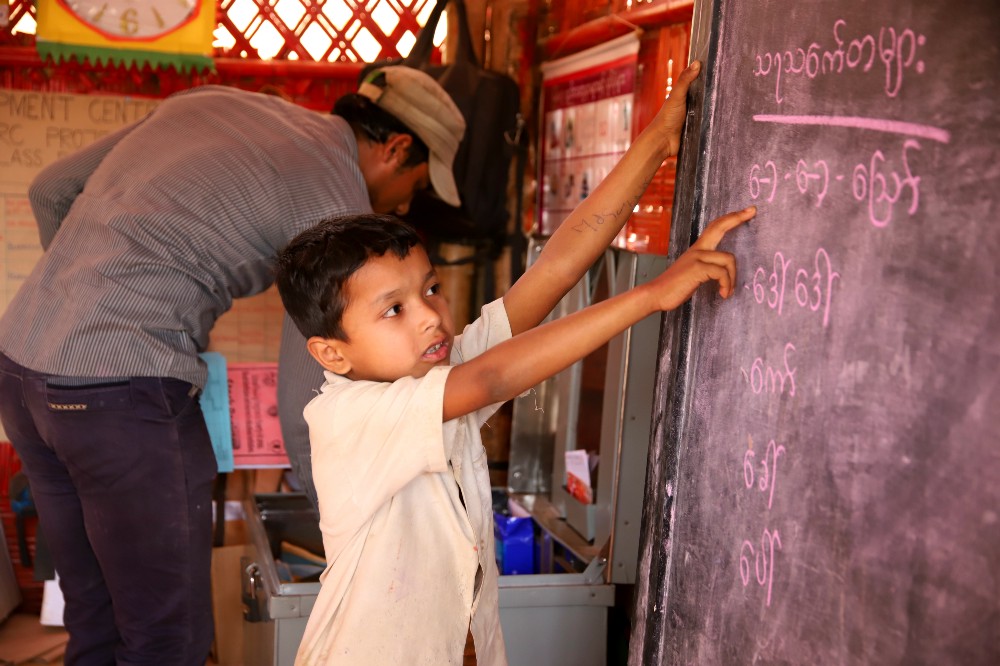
{"points": [[397, 322]]}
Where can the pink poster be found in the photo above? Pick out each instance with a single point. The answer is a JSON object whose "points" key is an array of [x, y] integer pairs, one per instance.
{"points": [[253, 404]]}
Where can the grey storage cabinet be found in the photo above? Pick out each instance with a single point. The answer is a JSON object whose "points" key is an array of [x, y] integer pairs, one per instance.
{"points": [[275, 612], [547, 619]]}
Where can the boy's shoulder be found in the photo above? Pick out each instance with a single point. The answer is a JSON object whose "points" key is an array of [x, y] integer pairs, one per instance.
{"points": [[356, 421], [363, 399], [490, 328]]}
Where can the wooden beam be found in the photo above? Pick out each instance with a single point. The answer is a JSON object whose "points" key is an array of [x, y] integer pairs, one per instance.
{"points": [[614, 25]]}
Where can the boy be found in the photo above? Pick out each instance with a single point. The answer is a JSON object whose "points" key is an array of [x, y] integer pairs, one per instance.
{"points": [[404, 493]]}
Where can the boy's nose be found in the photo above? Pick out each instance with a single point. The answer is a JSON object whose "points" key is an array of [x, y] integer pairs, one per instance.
{"points": [[430, 317]]}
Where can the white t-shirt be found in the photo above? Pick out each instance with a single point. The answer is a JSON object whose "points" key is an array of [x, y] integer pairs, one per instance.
{"points": [[407, 519]]}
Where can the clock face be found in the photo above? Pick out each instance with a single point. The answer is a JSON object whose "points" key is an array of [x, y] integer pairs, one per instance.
{"points": [[133, 19]]}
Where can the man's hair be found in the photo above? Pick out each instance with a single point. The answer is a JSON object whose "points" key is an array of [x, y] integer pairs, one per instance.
{"points": [[313, 270], [369, 119]]}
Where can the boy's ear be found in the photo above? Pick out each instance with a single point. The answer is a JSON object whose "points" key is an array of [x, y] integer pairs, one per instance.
{"points": [[329, 353]]}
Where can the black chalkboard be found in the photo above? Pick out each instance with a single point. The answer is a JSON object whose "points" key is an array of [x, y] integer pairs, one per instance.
{"points": [[824, 480]]}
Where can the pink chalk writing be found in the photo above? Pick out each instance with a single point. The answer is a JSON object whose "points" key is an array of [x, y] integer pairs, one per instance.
{"points": [[914, 130], [768, 477], [881, 182], [896, 50], [765, 177], [881, 188], [761, 476], [763, 560], [812, 290], [809, 177], [764, 378]]}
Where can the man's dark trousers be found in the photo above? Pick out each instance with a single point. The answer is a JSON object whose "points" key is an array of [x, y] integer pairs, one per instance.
{"points": [[122, 475]]}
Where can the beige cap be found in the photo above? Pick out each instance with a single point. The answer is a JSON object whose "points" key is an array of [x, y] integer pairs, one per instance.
{"points": [[421, 104]]}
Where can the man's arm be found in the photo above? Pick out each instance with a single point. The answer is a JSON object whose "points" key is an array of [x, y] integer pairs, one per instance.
{"points": [[299, 380], [512, 367], [56, 187], [591, 227]]}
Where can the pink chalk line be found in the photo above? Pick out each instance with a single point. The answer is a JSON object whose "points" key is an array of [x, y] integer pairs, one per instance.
{"points": [[891, 126]]}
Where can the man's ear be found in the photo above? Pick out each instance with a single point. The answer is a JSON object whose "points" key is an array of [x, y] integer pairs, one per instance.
{"points": [[397, 149], [329, 353]]}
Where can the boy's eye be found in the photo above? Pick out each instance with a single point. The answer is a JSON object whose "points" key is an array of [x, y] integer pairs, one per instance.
{"points": [[433, 289], [393, 311]]}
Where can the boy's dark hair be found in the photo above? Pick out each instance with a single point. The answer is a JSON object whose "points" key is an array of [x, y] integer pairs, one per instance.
{"points": [[369, 119], [313, 270]]}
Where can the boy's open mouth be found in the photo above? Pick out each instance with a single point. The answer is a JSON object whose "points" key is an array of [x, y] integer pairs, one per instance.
{"points": [[436, 352]]}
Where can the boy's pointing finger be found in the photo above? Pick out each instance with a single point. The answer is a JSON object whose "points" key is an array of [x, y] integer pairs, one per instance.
{"points": [[717, 228]]}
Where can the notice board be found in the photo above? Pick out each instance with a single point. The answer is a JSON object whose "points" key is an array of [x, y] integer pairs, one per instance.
{"points": [[824, 480], [36, 129], [586, 126]]}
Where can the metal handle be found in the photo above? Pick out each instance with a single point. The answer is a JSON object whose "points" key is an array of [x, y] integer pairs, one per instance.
{"points": [[251, 583]]}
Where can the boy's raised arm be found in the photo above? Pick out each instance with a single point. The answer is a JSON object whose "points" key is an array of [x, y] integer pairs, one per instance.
{"points": [[591, 227], [514, 366]]}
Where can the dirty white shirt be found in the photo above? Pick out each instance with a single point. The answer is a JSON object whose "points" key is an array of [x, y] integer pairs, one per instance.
{"points": [[407, 520]]}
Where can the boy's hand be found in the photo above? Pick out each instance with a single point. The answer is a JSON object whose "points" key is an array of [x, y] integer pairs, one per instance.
{"points": [[670, 118], [701, 263]]}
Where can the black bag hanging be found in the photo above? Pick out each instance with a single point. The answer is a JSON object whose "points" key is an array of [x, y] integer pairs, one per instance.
{"points": [[490, 103]]}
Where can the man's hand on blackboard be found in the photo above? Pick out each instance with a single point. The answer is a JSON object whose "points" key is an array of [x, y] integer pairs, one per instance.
{"points": [[701, 263], [670, 119]]}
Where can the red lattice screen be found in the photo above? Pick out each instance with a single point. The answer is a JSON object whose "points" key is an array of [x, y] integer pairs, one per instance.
{"points": [[320, 30], [311, 49]]}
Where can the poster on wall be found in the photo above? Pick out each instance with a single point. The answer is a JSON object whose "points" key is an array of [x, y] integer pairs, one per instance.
{"points": [[39, 128], [587, 118], [253, 406]]}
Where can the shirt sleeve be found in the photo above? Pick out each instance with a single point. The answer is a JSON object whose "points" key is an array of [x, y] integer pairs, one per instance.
{"points": [[368, 440], [490, 329], [56, 187]]}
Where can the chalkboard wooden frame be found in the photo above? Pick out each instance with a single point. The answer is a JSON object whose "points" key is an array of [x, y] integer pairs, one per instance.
{"points": [[964, 177], [647, 639]]}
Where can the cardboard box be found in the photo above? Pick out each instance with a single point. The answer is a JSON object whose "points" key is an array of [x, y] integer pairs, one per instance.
{"points": [[227, 606]]}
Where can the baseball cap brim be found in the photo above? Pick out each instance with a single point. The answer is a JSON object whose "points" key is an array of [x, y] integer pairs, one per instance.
{"points": [[443, 181]]}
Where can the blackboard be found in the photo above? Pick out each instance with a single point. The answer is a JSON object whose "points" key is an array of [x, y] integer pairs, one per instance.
{"points": [[824, 478]]}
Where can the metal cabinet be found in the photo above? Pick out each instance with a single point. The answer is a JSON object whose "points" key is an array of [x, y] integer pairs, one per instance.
{"points": [[547, 619], [548, 422]]}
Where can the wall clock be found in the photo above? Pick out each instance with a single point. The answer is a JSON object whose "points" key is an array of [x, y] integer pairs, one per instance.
{"points": [[133, 19], [157, 33]]}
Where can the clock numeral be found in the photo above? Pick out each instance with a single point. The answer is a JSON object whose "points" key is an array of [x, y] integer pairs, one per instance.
{"points": [[133, 19], [129, 22]]}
